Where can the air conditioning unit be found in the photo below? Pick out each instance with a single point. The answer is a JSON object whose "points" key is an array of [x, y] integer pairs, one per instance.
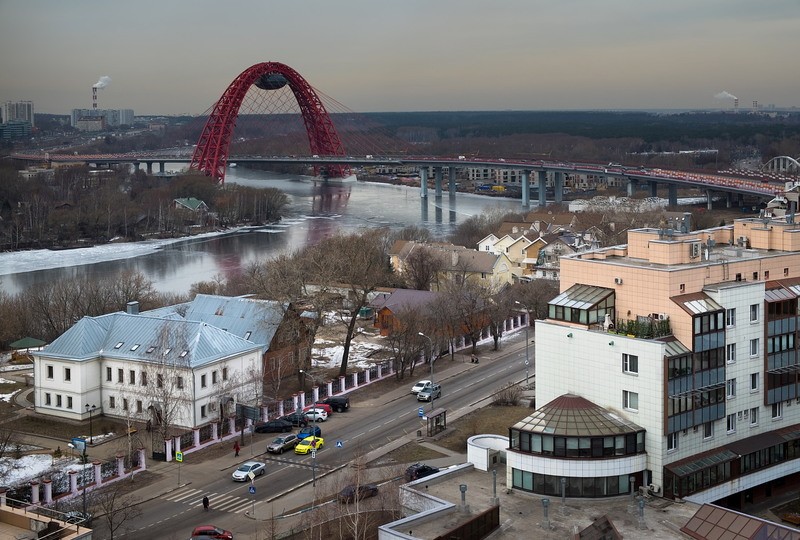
{"points": [[654, 488], [694, 250], [618, 280], [662, 316]]}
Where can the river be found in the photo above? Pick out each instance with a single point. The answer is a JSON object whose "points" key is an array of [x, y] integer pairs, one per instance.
{"points": [[316, 211]]}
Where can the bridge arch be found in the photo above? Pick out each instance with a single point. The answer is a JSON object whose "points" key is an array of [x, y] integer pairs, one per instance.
{"points": [[211, 153], [782, 164]]}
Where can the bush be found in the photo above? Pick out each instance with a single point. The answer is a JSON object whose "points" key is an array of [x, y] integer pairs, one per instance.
{"points": [[508, 395]]}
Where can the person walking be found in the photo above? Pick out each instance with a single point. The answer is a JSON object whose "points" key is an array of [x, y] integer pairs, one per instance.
{"points": [[205, 503], [236, 448]]}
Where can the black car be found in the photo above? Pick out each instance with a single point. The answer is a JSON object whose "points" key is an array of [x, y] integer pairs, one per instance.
{"points": [[274, 426], [297, 418], [419, 470], [353, 493], [337, 403]]}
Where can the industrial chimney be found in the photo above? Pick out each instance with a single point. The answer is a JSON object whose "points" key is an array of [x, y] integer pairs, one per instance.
{"points": [[94, 98], [755, 105], [736, 105]]}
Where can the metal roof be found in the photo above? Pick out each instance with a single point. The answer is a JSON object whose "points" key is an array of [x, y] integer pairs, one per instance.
{"points": [[575, 416], [249, 318], [674, 348], [697, 303], [778, 295], [581, 296]]}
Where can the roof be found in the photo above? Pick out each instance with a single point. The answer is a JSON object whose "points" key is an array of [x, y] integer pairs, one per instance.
{"points": [[581, 296], [404, 299], [141, 338], [575, 416], [27, 343], [191, 203], [696, 303], [712, 521]]}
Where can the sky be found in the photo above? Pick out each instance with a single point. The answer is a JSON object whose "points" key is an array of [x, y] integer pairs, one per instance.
{"points": [[178, 56]]}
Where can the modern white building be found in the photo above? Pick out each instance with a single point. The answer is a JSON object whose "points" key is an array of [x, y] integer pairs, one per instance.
{"points": [[18, 110], [690, 335]]}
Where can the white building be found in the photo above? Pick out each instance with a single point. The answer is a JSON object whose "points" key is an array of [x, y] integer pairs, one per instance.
{"points": [[18, 110]]}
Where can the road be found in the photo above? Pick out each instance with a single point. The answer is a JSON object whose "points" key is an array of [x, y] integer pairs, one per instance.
{"points": [[365, 427]]}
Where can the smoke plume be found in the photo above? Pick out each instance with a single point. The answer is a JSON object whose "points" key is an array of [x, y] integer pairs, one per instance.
{"points": [[102, 82], [724, 95]]}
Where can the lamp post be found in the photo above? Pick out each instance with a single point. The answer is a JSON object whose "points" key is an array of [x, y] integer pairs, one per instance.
{"points": [[527, 340], [90, 409], [432, 359]]}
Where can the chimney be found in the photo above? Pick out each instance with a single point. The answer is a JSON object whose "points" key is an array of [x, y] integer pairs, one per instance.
{"points": [[132, 308], [94, 98], [736, 104]]}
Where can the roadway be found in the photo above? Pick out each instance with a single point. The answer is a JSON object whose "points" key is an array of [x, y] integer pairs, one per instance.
{"points": [[174, 505]]}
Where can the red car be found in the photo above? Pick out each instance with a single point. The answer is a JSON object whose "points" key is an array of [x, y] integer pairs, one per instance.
{"points": [[204, 532], [324, 406]]}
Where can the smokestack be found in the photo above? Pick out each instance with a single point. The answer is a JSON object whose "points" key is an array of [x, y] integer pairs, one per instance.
{"points": [[755, 105], [94, 98], [102, 82], [736, 104]]}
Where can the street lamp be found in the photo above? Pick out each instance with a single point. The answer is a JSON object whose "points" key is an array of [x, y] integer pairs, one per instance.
{"points": [[90, 409], [527, 326], [432, 359]]}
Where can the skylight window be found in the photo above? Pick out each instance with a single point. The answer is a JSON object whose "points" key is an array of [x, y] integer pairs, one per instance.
{"points": [[183, 353], [150, 349], [135, 347], [118, 345]]}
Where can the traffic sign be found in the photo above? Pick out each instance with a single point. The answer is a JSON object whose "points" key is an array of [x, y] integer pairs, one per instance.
{"points": [[252, 490], [421, 412], [179, 457], [313, 454], [79, 443], [339, 444]]}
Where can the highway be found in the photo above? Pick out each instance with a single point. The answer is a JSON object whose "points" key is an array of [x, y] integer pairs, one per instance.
{"points": [[365, 427]]}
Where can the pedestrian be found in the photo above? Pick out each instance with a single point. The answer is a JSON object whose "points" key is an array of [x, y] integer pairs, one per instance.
{"points": [[205, 503], [236, 448]]}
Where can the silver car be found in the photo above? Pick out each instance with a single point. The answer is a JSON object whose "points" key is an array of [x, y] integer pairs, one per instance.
{"points": [[281, 444], [430, 393]]}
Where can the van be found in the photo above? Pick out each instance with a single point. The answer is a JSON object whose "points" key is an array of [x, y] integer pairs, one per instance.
{"points": [[462, 158]]}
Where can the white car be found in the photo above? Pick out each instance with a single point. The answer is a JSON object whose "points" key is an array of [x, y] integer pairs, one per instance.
{"points": [[316, 415], [242, 474], [421, 385]]}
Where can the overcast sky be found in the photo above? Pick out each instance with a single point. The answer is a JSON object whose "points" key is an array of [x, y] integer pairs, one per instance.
{"points": [[178, 56]]}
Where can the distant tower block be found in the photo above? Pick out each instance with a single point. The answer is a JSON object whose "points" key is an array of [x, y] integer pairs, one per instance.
{"points": [[755, 105], [736, 104]]}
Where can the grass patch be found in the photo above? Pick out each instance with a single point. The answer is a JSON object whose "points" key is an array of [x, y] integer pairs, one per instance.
{"points": [[410, 453], [492, 419]]}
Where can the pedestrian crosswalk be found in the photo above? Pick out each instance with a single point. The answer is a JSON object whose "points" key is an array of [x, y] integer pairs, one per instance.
{"points": [[222, 502]]}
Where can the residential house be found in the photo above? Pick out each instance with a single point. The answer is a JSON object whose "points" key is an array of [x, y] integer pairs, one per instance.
{"points": [[389, 308]]}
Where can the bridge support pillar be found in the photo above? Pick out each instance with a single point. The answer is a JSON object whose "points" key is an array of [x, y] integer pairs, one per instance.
{"points": [[423, 182], [672, 194], [526, 189], [558, 187], [136, 167], [653, 188], [149, 167], [709, 200], [437, 180], [632, 186], [728, 200], [451, 180], [739, 200], [542, 181], [161, 166]]}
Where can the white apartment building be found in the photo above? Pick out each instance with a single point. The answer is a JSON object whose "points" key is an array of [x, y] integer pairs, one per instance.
{"points": [[19, 111]]}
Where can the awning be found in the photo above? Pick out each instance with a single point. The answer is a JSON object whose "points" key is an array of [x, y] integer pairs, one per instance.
{"points": [[693, 464]]}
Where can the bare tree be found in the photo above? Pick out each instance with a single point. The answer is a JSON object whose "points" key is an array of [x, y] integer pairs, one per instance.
{"points": [[405, 342], [421, 268], [118, 508], [534, 296]]}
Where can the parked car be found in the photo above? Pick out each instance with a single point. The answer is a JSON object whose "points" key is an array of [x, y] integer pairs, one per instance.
{"points": [[430, 393], [316, 415], [242, 474], [297, 418], [420, 386], [308, 444], [324, 406], [338, 403], [274, 426], [309, 431], [204, 532], [352, 493], [279, 445], [419, 470]]}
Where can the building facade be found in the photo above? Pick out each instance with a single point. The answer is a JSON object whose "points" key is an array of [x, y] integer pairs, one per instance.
{"points": [[692, 336], [21, 111]]}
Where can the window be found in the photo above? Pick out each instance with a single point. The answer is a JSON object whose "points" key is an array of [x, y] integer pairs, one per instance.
{"points": [[47, 399], [124, 404], [730, 353], [630, 400], [112, 402], [683, 287], [202, 381], [630, 363], [143, 378], [67, 374], [224, 374], [160, 380], [131, 376], [730, 317], [120, 375], [119, 344], [753, 312], [49, 372], [108, 374], [58, 400], [754, 416], [179, 382], [754, 347], [69, 402], [755, 276], [672, 442], [777, 410], [214, 377], [150, 349], [731, 424], [139, 406], [248, 334], [766, 274], [708, 430], [753, 382], [730, 387], [135, 347], [202, 411]]}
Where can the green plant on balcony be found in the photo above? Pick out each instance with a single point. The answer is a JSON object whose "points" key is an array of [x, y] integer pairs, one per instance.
{"points": [[644, 328]]}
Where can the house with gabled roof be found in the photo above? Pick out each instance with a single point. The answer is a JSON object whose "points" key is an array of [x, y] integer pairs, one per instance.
{"points": [[388, 307], [191, 204]]}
